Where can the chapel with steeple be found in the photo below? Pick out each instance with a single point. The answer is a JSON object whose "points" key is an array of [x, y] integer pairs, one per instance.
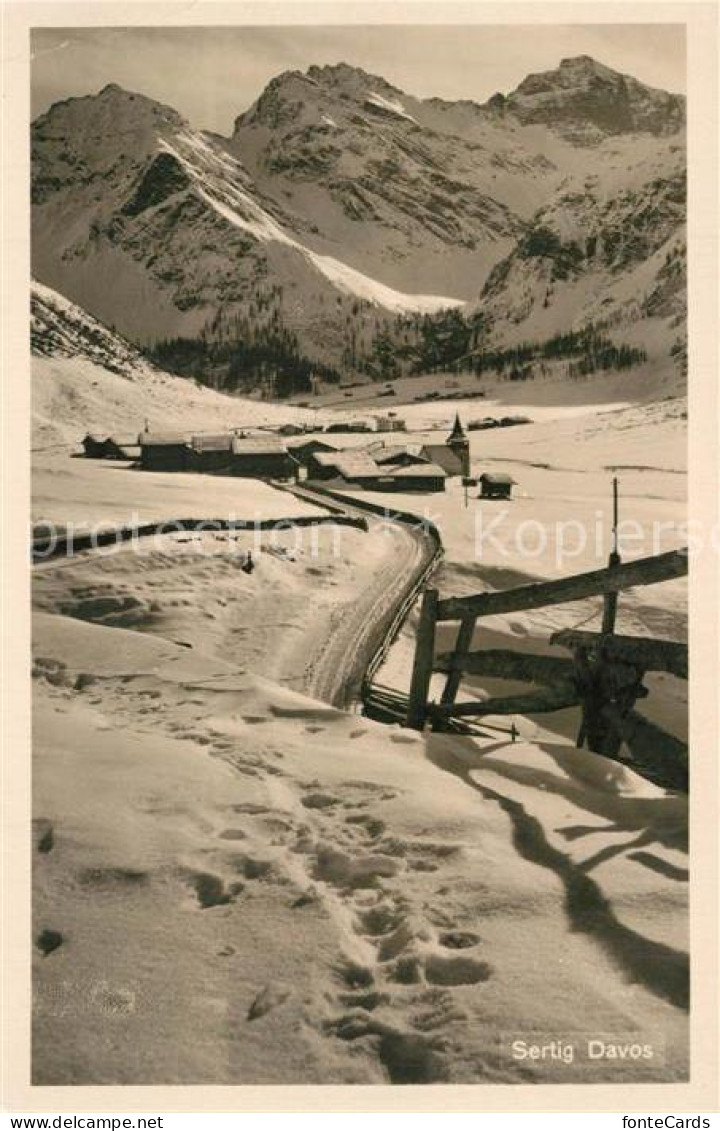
{"points": [[458, 443], [454, 455]]}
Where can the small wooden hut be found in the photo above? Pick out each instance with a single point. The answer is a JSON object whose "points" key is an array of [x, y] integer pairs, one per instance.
{"points": [[496, 485]]}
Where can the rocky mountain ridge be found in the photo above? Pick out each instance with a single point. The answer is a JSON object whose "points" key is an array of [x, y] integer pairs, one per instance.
{"points": [[340, 203]]}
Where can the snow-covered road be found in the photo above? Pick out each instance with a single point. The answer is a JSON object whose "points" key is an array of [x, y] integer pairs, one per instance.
{"points": [[337, 661]]}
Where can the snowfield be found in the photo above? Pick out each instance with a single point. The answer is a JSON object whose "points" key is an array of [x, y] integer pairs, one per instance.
{"points": [[236, 883], [341, 902]]}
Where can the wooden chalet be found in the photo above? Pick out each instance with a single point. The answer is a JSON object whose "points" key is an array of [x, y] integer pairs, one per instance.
{"points": [[390, 423], [260, 457], [441, 454], [303, 450], [394, 455], [126, 447], [495, 485], [165, 451], [417, 477], [212, 453], [454, 455], [349, 426], [99, 446]]}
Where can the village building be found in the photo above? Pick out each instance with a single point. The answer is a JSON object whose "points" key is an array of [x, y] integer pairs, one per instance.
{"points": [[395, 455], [390, 423], [94, 445], [348, 465], [349, 426], [495, 485], [357, 468], [165, 451], [418, 477], [454, 455], [97, 446], [303, 450], [123, 447], [261, 457], [322, 465], [363, 469], [212, 453]]}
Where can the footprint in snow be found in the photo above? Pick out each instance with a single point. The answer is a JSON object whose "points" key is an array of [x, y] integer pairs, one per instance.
{"points": [[270, 997], [210, 890], [319, 800], [48, 941], [43, 834]]}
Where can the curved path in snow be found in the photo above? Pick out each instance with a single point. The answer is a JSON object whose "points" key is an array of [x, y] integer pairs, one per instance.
{"points": [[336, 666]]}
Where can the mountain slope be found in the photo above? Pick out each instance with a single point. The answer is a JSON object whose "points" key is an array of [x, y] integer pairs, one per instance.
{"points": [[601, 253], [340, 202], [88, 378]]}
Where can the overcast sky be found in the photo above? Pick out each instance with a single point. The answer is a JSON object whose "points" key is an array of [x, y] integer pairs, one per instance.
{"points": [[212, 74]]}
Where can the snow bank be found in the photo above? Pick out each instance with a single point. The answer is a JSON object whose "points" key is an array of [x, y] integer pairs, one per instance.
{"points": [[362, 908]]}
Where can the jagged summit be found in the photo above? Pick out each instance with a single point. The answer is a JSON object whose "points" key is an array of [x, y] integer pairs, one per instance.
{"points": [[301, 96], [584, 100], [348, 77], [340, 200]]}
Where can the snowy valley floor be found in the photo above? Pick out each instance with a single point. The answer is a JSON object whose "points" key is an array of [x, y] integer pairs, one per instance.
{"points": [[237, 884]]}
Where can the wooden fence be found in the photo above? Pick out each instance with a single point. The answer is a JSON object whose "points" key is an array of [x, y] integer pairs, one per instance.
{"points": [[603, 676]]}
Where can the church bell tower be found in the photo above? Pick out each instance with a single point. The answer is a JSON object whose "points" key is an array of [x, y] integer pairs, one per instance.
{"points": [[458, 442]]}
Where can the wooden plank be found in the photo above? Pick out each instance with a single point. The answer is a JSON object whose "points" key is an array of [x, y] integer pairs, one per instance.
{"points": [[502, 663], [423, 665], [533, 703], [643, 571], [455, 671], [647, 653], [610, 600]]}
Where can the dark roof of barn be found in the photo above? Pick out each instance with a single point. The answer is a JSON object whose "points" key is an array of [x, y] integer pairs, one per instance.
{"points": [[445, 456], [220, 442], [258, 446], [310, 445], [162, 439], [328, 459], [357, 466], [387, 454], [420, 471]]}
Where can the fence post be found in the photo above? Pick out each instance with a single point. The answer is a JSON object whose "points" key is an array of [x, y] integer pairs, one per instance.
{"points": [[423, 664], [462, 647], [610, 599]]}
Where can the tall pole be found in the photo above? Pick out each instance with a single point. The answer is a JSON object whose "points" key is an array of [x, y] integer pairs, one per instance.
{"points": [[423, 665], [610, 601]]}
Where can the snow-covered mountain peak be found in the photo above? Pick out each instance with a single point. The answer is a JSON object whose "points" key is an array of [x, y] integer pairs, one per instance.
{"points": [[586, 101]]}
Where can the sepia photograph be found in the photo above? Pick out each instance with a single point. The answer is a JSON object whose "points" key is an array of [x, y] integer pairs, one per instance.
{"points": [[360, 552]]}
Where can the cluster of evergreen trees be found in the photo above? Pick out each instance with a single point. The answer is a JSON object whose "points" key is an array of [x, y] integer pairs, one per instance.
{"points": [[588, 350], [268, 359], [419, 343], [246, 350], [258, 348]]}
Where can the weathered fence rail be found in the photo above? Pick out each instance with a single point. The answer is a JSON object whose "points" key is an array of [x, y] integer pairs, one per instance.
{"points": [[644, 571], [603, 677]]}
